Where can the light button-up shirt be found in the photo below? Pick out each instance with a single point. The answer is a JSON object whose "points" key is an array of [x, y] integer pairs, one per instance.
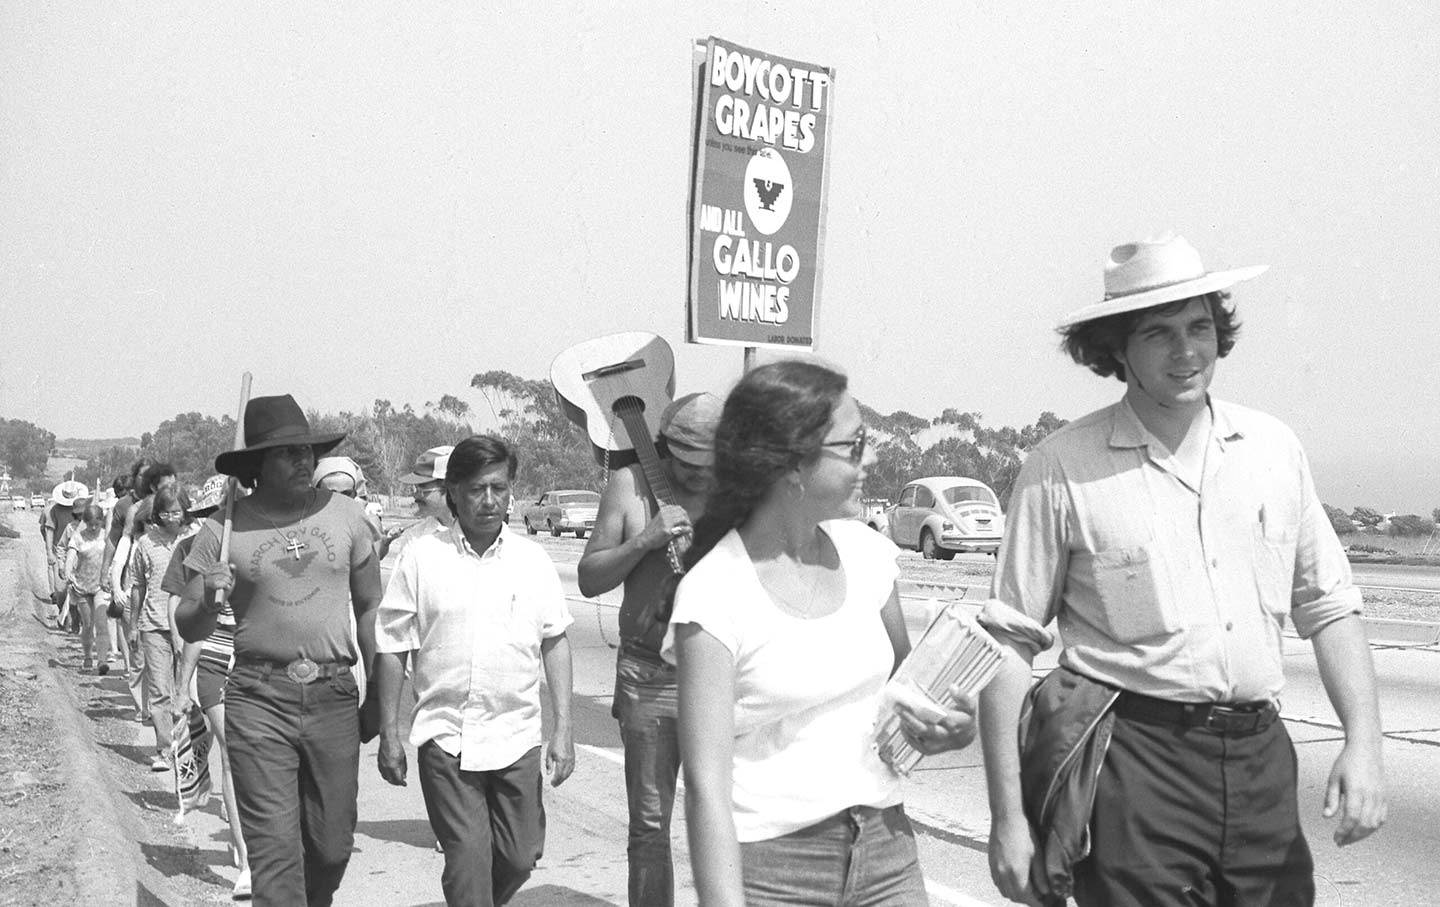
{"points": [[1165, 589], [475, 622]]}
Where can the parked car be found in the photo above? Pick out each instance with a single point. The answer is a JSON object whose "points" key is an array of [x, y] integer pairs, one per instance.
{"points": [[19, 502], [566, 510], [941, 515], [37, 501]]}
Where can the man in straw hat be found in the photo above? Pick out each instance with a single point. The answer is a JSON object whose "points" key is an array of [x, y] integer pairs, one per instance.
{"points": [[1170, 535], [633, 531], [300, 559], [67, 504]]}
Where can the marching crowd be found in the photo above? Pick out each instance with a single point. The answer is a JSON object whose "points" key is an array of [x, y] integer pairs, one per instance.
{"points": [[1166, 536]]}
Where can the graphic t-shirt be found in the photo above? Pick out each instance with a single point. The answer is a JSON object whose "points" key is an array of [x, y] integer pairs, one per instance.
{"points": [[292, 582]]}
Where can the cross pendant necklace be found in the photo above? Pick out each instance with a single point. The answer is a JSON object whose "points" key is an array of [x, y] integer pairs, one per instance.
{"points": [[293, 543]]}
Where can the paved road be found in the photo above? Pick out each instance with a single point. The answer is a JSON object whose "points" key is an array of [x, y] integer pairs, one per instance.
{"points": [[1397, 576], [584, 865]]}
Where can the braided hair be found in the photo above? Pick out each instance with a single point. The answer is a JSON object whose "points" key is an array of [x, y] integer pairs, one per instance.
{"points": [[774, 419]]}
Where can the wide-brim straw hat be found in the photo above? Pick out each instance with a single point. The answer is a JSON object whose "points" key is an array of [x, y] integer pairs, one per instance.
{"points": [[275, 422], [1152, 272], [68, 492]]}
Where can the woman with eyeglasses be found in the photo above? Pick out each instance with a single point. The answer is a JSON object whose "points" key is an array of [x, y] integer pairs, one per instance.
{"points": [[150, 630], [785, 629]]}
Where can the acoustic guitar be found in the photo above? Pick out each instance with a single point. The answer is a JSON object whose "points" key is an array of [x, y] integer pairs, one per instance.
{"points": [[615, 388]]}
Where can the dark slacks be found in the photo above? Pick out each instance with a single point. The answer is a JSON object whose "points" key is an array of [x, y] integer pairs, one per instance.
{"points": [[490, 824], [1192, 817], [295, 760]]}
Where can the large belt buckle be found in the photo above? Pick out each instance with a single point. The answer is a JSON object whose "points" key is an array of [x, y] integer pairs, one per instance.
{"points": [[302, 670]]}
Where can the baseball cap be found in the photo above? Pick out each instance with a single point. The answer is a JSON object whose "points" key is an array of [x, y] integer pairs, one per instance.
{"points": [[429, 466], [688, 427], [209, 497]]}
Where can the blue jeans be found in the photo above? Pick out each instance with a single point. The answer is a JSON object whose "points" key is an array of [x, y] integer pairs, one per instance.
{"points": [[295, 762], [646, 703], [862, 857]]}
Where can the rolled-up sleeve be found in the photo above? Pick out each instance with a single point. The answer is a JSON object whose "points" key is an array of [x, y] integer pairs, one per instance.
{"points": [[397, 625], [1324, 589]]}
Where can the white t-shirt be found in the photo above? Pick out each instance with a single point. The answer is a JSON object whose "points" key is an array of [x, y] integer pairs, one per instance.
{"points": [[807, 692]]}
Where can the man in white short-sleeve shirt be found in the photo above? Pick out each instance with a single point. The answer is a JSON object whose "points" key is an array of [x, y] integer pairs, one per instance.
{"points": [[483, 611]]}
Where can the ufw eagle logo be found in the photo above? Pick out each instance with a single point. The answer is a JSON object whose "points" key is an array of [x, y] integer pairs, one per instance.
{"points": [[769, 192]]}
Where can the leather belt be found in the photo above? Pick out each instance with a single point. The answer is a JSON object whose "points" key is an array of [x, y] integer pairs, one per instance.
{"points": [[1224, 718], [301, 670]]}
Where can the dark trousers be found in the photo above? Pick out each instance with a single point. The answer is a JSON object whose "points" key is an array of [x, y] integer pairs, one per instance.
{"points": [[490, 824], [295, 760], [646, 705], [1191, 817]]}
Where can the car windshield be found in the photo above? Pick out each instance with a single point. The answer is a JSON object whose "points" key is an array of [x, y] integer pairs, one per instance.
{"points": [[966, 494], [584, 497]]}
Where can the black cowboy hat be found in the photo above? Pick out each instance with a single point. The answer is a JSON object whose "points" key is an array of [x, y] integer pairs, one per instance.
{"points": [[275, 422]]}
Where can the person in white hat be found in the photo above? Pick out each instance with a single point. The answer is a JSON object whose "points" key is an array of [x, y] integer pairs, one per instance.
{"points": [[67, 503], [428, 479], [1170, 534], [634, 529]]}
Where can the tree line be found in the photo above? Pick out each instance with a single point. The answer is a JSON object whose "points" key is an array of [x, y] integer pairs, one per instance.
{"points": [[554, 453]]}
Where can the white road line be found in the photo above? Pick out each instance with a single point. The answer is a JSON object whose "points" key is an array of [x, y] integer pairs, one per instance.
{"points": [[951, 896]]}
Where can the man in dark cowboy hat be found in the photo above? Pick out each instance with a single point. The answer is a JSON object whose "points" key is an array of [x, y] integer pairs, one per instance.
{"points": [[300, 559], [1170, 535]]}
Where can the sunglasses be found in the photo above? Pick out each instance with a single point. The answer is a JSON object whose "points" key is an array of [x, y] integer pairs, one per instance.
{"points": [[856, 446]]}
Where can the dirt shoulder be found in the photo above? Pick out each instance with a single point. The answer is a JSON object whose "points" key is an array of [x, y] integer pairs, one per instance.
{"points": [[82, 818]]}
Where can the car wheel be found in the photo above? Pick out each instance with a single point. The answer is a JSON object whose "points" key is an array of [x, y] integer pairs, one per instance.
{"points": [[554, 530], [579, 533], [927, 545], [530, 530]]}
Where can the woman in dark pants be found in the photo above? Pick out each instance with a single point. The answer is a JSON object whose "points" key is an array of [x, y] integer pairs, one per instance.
{"points": [[300, 560]]}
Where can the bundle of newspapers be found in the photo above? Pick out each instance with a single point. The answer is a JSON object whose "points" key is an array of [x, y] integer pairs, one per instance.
{"points": [[954, 650]]}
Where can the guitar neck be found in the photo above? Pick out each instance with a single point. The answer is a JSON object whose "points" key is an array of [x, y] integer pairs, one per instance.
{"points": [[634, 419]]}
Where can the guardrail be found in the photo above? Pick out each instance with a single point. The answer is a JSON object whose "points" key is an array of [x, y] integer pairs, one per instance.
{"points": [[1381, 631]]}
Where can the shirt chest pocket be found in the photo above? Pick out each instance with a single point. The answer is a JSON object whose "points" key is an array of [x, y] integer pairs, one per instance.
{"points": [[1132, 588], [1274, 553]]}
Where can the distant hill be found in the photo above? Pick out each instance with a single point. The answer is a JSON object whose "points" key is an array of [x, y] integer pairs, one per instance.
{"points": [[84, 448]]}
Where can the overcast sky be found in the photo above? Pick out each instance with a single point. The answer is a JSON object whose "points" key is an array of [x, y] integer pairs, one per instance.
{"points": [[367, 200]]}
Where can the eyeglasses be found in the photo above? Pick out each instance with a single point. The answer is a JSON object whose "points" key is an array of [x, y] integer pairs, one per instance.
{"points": [[856, 446]]}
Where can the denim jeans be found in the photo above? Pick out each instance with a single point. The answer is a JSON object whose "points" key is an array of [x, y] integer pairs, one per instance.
{"points": [[490, 824], [646, 705], [295, 761], [862, 857]]}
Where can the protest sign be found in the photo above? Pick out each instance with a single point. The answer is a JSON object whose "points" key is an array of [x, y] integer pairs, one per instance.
{"points": [[757, 203]]}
